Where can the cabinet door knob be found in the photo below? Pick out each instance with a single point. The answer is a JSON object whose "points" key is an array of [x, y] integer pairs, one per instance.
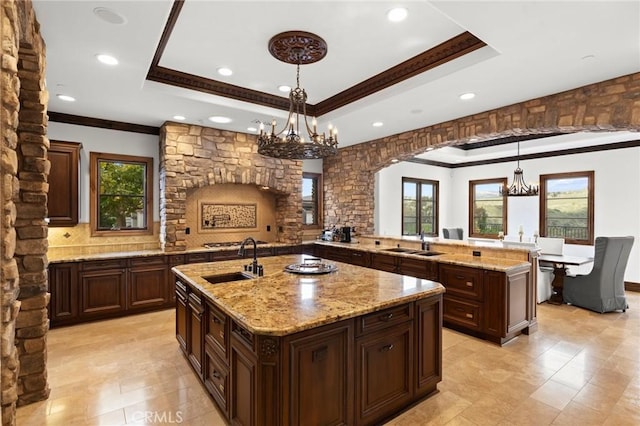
{"points": [[387, 317], [216, 374], [469, 284], [386, 348], [469, 315]]}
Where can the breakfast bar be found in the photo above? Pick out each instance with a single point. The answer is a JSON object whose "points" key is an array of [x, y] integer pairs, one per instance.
{"points": [[350, 346]]}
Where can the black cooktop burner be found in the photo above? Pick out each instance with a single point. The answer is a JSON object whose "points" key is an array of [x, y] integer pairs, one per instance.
{"points": [[228, 244]]}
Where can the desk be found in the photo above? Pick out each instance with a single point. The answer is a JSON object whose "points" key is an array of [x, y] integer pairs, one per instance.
{"points": [[560, 263]]}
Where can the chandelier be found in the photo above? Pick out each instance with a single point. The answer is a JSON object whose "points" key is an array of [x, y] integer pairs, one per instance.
{"points": [[519, 188], [297, 47]]}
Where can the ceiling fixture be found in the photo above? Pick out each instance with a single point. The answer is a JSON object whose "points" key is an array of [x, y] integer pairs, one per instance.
{"points": [[518, 188], [397, 15], [467, 96], [179, 117], [219, 119], [66, 98], [297, 47], [107, 59], [377, 124], [109, 15], [225, 71]]}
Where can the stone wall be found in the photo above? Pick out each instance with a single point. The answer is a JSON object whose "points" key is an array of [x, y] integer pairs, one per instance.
{"points": [[194, 157], [23, 231], [349, 177]]}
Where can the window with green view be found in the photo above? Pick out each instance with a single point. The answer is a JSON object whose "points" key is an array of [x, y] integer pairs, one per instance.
{"points": [[487, 208], [419, 207], [122, 201], [566, 206]]}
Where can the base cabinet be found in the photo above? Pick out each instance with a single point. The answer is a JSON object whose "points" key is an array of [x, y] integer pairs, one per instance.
{"points": [[359, 371], [63, 286], [102, 292]]}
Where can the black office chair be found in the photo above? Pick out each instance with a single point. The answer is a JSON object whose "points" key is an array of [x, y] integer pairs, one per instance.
{"points": [[452, 233], [602, 290]]}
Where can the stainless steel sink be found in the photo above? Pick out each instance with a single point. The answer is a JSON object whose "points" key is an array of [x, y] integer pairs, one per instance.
{"points": [[229, 277], [400, 250], [426, 253]]}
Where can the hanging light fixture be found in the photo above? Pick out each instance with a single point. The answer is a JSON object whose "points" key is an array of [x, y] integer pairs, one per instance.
{"points": [[519, 188], [297, 47]]}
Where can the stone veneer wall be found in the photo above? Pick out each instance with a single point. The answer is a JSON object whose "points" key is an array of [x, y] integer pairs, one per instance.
{"points": [[349, 177], [23, 234], [194, 156]]}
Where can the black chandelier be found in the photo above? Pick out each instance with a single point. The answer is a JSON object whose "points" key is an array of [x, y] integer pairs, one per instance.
{"points": [[297, 47], [518, 187]]}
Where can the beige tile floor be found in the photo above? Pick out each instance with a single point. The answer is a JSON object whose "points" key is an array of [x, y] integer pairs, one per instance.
{"points": [[580, 368]]}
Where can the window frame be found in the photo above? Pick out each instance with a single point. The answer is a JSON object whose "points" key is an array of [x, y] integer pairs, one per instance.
{"points": [[501, 182], [95, 158], [318, 202], [436, 207], [590, 175]]}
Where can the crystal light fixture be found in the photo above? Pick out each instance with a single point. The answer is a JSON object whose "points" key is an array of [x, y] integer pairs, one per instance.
{"points": [[297, 47], [518, 187]]}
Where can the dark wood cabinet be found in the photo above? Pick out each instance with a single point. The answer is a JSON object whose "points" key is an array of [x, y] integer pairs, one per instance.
{"points": [[320, 379], [384, 262], [62, 202], [195, 332], [63, 286], [243, 379], [216, 378], [419, 268], [102, 292], [428, 361], [384, 372], [148, 286], [182, 314]]}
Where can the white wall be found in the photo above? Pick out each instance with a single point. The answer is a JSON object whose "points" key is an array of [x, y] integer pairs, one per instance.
{"points": [[617, 196], [94, 139]]}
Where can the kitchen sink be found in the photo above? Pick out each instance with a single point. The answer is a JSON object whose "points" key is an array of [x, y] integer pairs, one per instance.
{"points": [[426, 253], [400, 250], [229, 277]]}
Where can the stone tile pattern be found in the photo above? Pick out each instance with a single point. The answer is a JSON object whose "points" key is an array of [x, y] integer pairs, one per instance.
{"points": [[349, 175], [194, 156], [25, 171]]}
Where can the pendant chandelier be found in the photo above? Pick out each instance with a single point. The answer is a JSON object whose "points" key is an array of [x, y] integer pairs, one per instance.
{"points": [[519, 188], [297, 47]]}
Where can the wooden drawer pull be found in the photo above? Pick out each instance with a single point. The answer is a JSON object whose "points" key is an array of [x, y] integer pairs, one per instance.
{"points": [[387, 317], [216, 374], [469, 284], [469, 316], [216, 320], [386, 348]]}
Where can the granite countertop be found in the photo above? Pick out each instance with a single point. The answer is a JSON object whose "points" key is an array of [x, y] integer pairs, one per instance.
{"points": [[483, 262], [282, 303]]}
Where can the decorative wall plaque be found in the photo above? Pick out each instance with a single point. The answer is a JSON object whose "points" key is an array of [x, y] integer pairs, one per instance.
{"points": [[227, 216]]}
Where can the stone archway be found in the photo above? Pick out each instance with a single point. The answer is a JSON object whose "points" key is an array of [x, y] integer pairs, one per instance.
{"points": [[194, 156], [612, 105]]}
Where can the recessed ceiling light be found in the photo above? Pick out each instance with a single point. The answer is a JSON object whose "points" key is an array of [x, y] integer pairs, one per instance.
{"points": [[394, 160], [284, 88], [252, 129], [179, 117], [467, 96], [378, 124], [397, 14], [224, 71], [107, 59], [66, 98], [109, 15], [219, 119]]}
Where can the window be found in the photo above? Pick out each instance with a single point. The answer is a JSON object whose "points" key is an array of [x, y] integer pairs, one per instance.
{"points": [[487, 208], [419, 207], [566, 207], [121, 194], [311, 200]]}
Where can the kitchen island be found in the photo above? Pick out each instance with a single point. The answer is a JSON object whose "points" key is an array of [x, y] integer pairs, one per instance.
{"points": [[354, 346]]}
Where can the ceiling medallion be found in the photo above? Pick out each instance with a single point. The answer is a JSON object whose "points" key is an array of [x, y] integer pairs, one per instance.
{"points": [[297, 47]]}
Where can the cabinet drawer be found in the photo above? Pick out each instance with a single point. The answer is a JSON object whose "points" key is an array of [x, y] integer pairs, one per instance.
{"points": [[95, 265], [384, 318], [463, 313], [216, 333], [244, 336], [461, 281], [148, 261], [360, 258], [216, 378], [197, 257], [177, 259], [384, 262]]}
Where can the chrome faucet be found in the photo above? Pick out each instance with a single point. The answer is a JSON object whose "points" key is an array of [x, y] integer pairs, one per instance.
{"points": [[254, 268]]}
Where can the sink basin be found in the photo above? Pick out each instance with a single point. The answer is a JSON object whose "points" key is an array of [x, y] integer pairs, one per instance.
{"points": [[400, 250], [229, 277], [426, 253]]}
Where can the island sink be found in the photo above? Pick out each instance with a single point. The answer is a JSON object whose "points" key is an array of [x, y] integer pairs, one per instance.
{"points": [[400, 250], [229, 277]]}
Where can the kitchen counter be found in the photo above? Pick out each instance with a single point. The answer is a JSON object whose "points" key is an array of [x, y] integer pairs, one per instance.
{"points": [[281, 303]]}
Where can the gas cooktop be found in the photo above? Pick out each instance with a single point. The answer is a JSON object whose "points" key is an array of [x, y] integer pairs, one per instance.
{"points": [[228, 244]]}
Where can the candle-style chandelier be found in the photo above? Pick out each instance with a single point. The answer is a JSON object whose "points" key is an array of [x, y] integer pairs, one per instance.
{"points": [[298, 47], [518, 187]]}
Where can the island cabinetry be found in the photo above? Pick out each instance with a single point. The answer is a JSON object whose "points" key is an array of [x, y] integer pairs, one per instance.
{"points": [[245, 381], [384, 368], [102, 288], [182, 314], [489, 304], [321, 363], [148, 286], [428, 360], [384, 262], [195, 331], [418, 268], [63, 286]]}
